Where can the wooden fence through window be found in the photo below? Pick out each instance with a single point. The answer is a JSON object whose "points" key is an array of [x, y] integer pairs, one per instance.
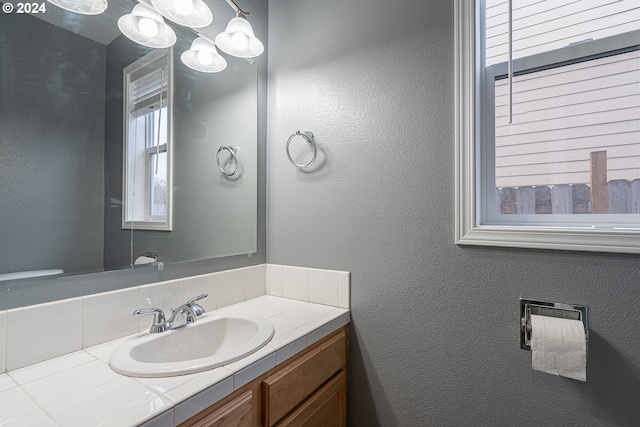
{"points": [[600, 196], [623, 197]]}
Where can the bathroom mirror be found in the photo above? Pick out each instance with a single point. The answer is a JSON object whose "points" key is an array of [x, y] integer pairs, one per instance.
{"points": [[61, 147]]}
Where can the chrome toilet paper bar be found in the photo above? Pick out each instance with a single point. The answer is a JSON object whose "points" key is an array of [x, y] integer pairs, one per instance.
{"points": [[552, 309]]}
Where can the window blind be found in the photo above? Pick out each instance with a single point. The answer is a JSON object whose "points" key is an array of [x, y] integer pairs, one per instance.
{"points": [[147, 84]]}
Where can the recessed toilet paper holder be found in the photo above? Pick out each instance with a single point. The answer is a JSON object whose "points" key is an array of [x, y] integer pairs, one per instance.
{"points": [[552, 309]]}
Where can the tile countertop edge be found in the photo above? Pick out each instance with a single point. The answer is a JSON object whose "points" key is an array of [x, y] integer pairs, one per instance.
{"points": [[300, 324]]}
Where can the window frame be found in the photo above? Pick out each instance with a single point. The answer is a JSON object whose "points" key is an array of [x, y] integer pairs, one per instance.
{"points": [[148, 221], [470, 228]]}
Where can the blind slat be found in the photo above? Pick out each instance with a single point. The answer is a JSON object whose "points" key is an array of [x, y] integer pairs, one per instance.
{"points": [[147, 84]]}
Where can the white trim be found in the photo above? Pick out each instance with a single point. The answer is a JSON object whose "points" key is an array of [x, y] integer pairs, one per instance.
{"points": [[467, 230], [465, 167]]}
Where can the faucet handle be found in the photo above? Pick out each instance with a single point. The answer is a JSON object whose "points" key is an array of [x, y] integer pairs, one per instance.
{"points": [[197, 308], [198, 298], [182, 316], [159, 321]]}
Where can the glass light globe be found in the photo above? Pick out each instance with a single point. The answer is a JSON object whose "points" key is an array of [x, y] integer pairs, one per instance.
{"points": [[145, 26], [83, 7], [148, 27], [190, 13], [204, 57], [183, 7], [239, 41]]}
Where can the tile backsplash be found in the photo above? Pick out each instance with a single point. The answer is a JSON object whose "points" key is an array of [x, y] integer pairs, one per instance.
{"points": [[97, 308], [40, 332], [327, 287]]}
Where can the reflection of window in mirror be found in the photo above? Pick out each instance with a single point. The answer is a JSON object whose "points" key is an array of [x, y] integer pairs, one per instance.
{"points": [[148, 85]]}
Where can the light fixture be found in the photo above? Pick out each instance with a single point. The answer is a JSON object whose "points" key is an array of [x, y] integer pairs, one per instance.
{"points": [[203, 56], [145, 26], [238, 39], [190, 13], [83, 7]]}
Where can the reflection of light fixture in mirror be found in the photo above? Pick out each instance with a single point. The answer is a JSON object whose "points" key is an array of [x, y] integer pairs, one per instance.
{"points": [[203, 56], [238, 39], [190, 13], [84, 7], [146, 26]]}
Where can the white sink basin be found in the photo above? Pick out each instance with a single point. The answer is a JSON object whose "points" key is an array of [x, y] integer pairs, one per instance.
{"points": [[214, 340]]}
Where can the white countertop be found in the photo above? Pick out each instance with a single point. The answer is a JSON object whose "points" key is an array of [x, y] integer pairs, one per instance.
{"points": [[80, 389]]}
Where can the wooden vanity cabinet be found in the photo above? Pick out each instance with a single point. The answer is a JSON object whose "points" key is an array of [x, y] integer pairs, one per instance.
{"points": [[308, 390], [327, 407], [237, 413]]}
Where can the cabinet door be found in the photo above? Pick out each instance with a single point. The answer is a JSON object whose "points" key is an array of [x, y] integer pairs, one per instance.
{"points": [[237, 413], [291, 385], [325, 408]]}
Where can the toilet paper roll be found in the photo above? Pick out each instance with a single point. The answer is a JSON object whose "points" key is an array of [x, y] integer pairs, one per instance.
{"points": [[559, 347]]}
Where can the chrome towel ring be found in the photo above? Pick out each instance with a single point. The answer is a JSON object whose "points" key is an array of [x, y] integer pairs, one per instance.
{"points": [[233, 151], [308, 136]]}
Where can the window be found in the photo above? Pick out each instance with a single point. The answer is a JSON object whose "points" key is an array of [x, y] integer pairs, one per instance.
{"points": [[148, 138], [549, 158]]}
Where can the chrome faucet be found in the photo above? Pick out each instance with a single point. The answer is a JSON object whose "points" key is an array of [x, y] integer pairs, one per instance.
{"points": [[182, 316], [159, 322], [197, 309]]}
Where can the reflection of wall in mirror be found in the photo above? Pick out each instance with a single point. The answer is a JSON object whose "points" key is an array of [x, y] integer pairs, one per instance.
{"points": [[51, 147]]}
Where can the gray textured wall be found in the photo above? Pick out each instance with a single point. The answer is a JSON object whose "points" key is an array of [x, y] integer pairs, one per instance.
{"points": [[435, 326], [51, 143]]}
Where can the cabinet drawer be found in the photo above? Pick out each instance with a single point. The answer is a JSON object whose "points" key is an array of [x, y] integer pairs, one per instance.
{"points": [[287, 388], [237, 413], [326, 407]]}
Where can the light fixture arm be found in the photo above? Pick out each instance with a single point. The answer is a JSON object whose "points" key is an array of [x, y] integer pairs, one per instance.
{"points": [[237, 8], [146, 3], [198, 34]]}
